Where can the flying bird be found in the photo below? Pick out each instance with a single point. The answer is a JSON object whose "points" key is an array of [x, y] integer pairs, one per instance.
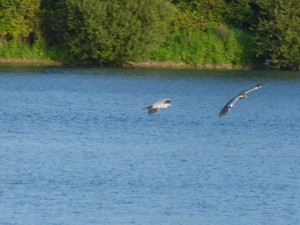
{"points": [[154, 107], [242, 95]]}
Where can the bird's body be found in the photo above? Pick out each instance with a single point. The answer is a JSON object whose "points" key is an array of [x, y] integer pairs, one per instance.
{"points": [[242, 95], [154, 107]]}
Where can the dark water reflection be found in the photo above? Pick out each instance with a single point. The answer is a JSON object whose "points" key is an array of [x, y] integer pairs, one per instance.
{"points": [[77, 147]]}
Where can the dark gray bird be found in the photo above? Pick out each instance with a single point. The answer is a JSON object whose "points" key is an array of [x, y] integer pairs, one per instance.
{"points": [[242, 95], [154, 107]]}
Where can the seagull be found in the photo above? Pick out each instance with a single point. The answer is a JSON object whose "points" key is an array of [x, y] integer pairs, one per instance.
{"points": [[242, 95], [154, 107]]}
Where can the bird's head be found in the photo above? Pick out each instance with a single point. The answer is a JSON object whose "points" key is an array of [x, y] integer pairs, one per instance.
{"points": [[166, 103]]}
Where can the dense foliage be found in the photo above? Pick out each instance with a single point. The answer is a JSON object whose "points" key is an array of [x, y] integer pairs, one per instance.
{"points": [[278, 33], [233, 32], [114, 30], [19, 19], [202, 34]]}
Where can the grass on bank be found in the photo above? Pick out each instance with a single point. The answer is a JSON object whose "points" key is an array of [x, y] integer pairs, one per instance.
{"points": [[37, 51]]}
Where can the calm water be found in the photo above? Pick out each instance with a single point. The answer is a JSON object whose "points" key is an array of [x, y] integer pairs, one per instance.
{"points": [[77, 147]]}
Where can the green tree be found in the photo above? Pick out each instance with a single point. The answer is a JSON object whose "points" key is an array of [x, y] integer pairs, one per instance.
{"points": [[278, 33], [19, 19], [240, 13], [116, 30], [53, 16]]}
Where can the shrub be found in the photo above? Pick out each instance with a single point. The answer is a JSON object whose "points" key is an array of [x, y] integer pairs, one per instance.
{"points": [[116, 30]]}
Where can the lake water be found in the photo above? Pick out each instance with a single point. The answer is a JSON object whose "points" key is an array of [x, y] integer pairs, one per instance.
{"points": [[78, 147]]}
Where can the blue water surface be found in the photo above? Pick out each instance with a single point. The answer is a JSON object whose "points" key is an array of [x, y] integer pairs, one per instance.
{"points": [[77, 147]]}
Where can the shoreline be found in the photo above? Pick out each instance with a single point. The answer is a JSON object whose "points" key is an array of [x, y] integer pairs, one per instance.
{"points": [[30, 62], [182, 65], [145, 65]]}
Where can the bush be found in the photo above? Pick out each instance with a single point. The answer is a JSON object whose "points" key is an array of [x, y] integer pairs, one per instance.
{"points": [[116, 30]]}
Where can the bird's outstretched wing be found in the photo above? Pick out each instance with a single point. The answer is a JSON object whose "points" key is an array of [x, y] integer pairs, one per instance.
{"points": [[228, 106], [151, 110], [255, 87]]}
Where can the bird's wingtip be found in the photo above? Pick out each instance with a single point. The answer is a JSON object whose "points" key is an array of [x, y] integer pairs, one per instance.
{"points": [[221, 114]]}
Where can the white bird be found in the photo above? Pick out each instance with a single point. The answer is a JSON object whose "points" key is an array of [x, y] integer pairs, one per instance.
{"points": [[154, 107], [242, 95]]}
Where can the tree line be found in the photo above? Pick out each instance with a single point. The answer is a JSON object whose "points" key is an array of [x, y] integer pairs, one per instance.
{"points": [[233, 32]]}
